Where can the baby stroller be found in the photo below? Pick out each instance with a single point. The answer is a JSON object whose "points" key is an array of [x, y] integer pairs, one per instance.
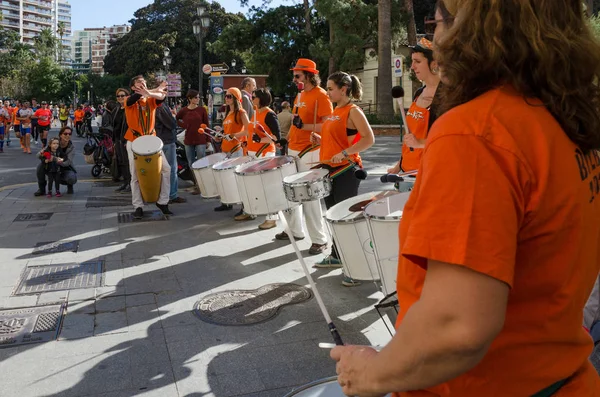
{"points": [[99, 150]]}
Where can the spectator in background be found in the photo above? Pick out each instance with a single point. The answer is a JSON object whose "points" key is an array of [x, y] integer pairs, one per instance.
{"points": [[35, 134], [166, 130], [248, 87], [119, 130], [43, 117], [285, 118], [78, 114], [68, 174], [63, 115]]}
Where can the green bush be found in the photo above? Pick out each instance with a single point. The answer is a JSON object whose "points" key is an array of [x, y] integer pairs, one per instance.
{"points": [[374, 120]]}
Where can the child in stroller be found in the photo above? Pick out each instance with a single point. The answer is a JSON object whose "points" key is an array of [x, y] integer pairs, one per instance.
{"points": [[99, 150]]}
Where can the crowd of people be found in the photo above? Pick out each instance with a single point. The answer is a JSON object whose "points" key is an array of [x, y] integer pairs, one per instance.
{"points": [[499, 238]]}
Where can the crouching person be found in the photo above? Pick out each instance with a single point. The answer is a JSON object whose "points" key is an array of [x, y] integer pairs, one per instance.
{"points": [[67, 172]]}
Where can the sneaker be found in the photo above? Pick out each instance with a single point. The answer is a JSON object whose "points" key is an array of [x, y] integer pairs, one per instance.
{"points": [[49, 195], [39, 193], [177, 200], [121, 188], [126, 189], [138, 213], [283, 236], [58, 194], [244, 217], [223, 207], [69, 189], [164, 208], [267, 225], [240, 212], [350, 282], [329, 262], [317, 249]]}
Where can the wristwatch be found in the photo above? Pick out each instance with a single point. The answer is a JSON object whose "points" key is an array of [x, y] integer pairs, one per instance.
{"points": [[345, 153]]}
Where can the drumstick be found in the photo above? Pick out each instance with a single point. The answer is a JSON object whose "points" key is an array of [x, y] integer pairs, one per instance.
{"points": [[332, 329], [324, 345]]}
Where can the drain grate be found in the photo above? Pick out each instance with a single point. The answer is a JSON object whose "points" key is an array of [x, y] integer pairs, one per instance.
{"points": [[39, 216], [101, 202], [30, 325], [245, 307], [37, 279], [127, 217], [54, 247], [36, 225]]}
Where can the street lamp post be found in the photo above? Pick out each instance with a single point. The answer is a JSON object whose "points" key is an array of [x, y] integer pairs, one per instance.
{"points": [[200, 26], [166, 63]]}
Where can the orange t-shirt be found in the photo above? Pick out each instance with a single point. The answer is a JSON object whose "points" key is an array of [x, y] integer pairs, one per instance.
{"points": [[140, 118], [16, 121], [260, 116], [504, 192], [417, 120], [232, 126], [78, 115], [334, 136], [304, 106]]}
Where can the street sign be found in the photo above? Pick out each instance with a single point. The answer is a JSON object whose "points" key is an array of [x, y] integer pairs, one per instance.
{"points": [[174, 94], [398, 66], [219, 68], [207, 69], [173, 77]]}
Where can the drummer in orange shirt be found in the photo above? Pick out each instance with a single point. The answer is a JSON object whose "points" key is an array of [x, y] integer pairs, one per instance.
{"points": [[500, 238]]}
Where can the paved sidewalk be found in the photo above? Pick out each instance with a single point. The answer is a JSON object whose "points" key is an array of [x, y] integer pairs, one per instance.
{"points": [[136, 334]]}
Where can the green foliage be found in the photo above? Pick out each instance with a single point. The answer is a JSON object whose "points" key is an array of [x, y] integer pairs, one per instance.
{"points": [[594, 22]]}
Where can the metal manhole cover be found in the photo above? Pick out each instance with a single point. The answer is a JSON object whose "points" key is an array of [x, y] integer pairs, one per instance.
{"points": [[101, 202], [40, 216], [149, 216], [37, 279], [55, 246], [245, 307], [30, 325], [36, 225]]}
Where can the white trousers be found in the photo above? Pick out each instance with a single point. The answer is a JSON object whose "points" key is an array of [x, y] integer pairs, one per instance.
{"points": [[273, 217], [165, 181], [313, 213]]}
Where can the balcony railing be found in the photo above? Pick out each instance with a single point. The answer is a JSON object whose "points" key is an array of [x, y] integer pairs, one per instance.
{"points": [[45, 4], [4, 4]]}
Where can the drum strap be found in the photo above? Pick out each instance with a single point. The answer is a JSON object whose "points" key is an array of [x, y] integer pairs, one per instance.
{"points": [[337, 171], [235, 148], [552, 389], [307, 149], [262, 149], [144, 121]]}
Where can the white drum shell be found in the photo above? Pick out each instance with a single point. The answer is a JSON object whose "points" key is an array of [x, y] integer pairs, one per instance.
{"points": [[262, 193], [383, 218], [328, 387], [225, 179], [306, 186], [351, 235], [205, 175]]}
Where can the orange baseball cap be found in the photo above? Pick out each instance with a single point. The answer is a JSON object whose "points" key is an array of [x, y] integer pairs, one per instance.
{"points": [[235, 92], [306, 65]]}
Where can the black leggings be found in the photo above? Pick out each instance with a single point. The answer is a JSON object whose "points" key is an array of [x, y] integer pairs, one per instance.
{"points": [[53, 179], [343, 187]]}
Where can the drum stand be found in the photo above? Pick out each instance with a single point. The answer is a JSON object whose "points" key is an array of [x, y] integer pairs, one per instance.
{"points": [[332, 329]]}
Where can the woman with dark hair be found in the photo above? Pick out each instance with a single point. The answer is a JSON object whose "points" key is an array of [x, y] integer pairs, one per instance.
{"points": [[499, 239], [191, 118], [422, 112], [340, 148], [263, 126], [119, 129]]}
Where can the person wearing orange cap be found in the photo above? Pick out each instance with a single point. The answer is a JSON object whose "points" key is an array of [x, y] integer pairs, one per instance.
{"points": [[235, 129], [422, 112], [311, 106]]}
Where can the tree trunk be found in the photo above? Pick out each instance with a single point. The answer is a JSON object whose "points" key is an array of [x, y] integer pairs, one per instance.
{"points": [[385, 106], [411, 29], [331, 44], [307, 16]]}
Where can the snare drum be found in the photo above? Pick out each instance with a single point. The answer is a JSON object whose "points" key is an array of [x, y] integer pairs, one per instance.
{"points": [[348, 227], [226, 186], [383, 218], [260, 184], [328, 387], [307, 186], [205, 176], [147, 160], [407, 184]]}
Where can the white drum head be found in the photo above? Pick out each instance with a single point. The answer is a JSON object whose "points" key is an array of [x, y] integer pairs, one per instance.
{"points": [[306, 177], [328, 387], [388, 208], [208, 161], [146, 145], [231, 163], [263, 165], [351, 210]]}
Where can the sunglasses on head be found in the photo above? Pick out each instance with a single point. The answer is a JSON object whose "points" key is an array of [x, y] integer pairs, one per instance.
{"points": [[229, 96]]}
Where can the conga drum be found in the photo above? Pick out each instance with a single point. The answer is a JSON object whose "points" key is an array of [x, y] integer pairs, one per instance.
{"points": [[348, 226], [383, 219], [148, 164], [205, 176]]}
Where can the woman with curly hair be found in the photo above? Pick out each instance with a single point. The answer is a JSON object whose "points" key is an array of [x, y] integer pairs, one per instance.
{"points": [[499, 241]]}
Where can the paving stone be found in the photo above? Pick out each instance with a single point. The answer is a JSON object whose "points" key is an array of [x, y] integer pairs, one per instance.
{"points": [[110, 323], [110, 304], [78, 295], [143, 317], [19, 301], [52, 297], [139, 300], [77, 326], [239, 381]]}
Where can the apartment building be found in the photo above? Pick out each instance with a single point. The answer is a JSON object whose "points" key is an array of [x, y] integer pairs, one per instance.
{"points": [[90, 46], [29, 17]]}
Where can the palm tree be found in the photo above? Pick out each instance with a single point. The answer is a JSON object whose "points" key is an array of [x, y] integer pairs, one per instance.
{"points": [[385, 106], [61, 31]]}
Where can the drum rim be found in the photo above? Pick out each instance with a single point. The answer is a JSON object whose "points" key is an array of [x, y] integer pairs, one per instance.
{"points": [[323, 178], [209, 165], [387, 218], [232, 167], [293, 161], [148, 154], [357, 219], [311, 384]]}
